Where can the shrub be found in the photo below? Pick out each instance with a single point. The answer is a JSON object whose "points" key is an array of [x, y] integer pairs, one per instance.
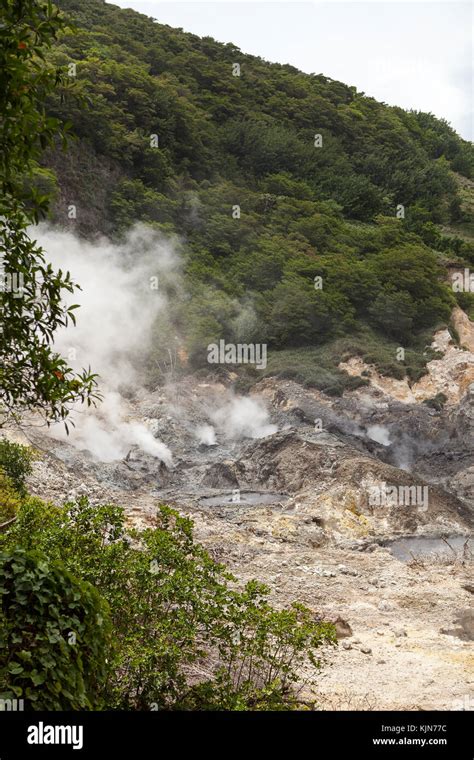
{"points": [[9, 498], [437, 402], [54, 634], [15, 461], [185, 636]]}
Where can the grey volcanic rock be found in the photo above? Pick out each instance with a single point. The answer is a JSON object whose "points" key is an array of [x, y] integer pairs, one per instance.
{"points": [[220, 475], [292, 460], [335, 483], [436, 446], [343, 629], [464, 626]]}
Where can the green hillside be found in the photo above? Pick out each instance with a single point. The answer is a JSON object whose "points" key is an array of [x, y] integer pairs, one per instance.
{"points": [[320, 174]]}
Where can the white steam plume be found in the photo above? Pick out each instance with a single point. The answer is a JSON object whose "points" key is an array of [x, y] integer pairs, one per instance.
{"points": [[380, 434], [243, 417], [121, 298], [206, 435]]}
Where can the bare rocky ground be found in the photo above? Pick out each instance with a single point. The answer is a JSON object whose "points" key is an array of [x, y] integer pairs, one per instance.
{"points": [[405, 628]]}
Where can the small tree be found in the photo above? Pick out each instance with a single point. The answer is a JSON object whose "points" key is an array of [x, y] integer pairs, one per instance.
{"points": [[394, 313]]}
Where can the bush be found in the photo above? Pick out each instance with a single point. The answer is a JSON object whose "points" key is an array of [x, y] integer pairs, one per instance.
{"points": [[15, 461], [437, 402], [185, 637], [54, 634], [9, 498]]}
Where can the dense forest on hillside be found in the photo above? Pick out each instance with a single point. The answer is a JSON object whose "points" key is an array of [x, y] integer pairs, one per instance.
{"points": [[328, 183]]}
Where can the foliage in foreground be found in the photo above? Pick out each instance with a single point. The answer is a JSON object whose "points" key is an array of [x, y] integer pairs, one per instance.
{"points": [[185, 636], [10, 500], [54, 629]]}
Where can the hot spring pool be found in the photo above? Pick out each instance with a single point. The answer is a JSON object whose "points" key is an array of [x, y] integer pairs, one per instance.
{"points": [[243, 499]]}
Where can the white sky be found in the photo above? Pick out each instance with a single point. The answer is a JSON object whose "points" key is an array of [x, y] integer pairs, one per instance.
{"points": [[412, 54]]}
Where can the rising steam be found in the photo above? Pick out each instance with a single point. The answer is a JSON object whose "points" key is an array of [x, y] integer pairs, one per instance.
{"points": [[380, 434], [206, 435], [243, 417], [122, 295]]}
